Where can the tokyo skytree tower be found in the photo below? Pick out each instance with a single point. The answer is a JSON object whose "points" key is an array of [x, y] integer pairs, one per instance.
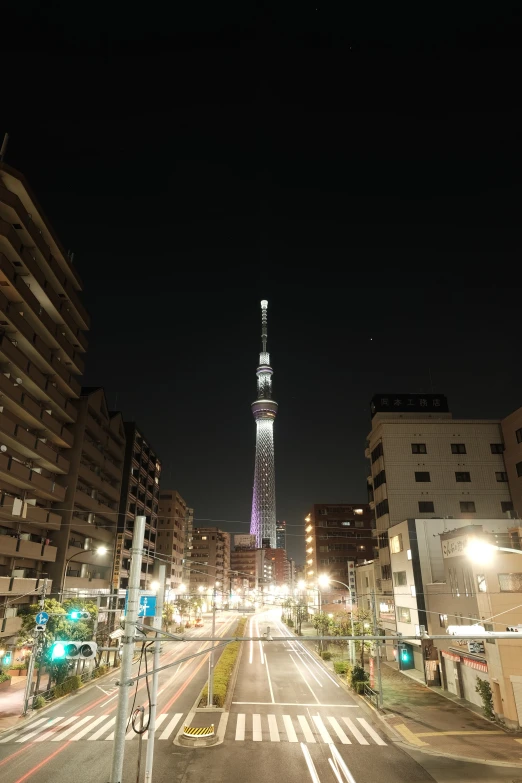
{"points": [[263, 520]]}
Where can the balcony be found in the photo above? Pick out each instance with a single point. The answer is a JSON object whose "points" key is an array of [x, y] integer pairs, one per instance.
{"points": [[10, 626], [86, 583], [85, 501], [21, 548], [96, 481], [10, 585]]}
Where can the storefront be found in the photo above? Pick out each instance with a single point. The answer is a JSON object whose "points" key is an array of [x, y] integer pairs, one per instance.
{"points": [[461, 673]]}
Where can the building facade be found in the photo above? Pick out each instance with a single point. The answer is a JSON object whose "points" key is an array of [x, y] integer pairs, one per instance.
{"points": [[487, 594], [90, 515], [279, 561], [42, 346], [210, 560], [425, 464], [139, 497], [335, 535], [512, 434], [246, 567], [172, 530], [263, 520], [187, 550], [281, 535]]}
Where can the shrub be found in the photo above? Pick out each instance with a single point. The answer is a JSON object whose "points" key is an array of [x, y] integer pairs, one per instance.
{"points": [[100, 671], [358, 675], [18, 666], [326, 655], [4, 677], [290, 622], [38, 703], [224, 668], [484, 689], [342, 667]]}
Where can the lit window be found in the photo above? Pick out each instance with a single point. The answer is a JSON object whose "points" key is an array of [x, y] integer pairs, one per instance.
{"points": [[203, 538], [310, 550], [408, 554], [311, 561], [412, 590], [396, 543], [403, 614], [309, 539], [358, 511], [310, 573], [308, 528]]}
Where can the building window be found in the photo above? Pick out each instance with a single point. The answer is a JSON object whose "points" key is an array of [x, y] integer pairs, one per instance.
{"points": [[379, 479], [403, 614], [519, 469], [396, 544], [399, 578], [462, 476], [497, 448], [377, 452], [426, 507], [418, 448], [506, 505], [510, 583], [467, 506], [458, 448], [422, 475], [382, 508], [408, 554], [443, 619], [501, 476], [518, 434], [386, 572], [366, 581], [383, 540], [454, 582], [489, 627]]}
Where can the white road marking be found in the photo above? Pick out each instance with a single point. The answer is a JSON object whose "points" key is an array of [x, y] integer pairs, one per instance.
{"points": [[305, 728], [240, 727], [295, 704], [52, 732], [269, 680], [222, 726], [257, 734], [304, 679], [289, 728], [338, 730], [33, 733], [310, 764], [86, 730], [322, 729], [356, 733], [72, 729], [373, 734], [159, 721], [272, 727], [251, 659], [301, 658], [14, 734], [103, 730], [339, 762], [171, 725]]}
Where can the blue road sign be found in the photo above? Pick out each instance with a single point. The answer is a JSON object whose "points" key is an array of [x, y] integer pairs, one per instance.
{"points": [[41, 618], [147, 607]]}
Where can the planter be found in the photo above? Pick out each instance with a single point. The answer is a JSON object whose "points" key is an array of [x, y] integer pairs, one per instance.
{"points": [[17, 672], [5, 685]]}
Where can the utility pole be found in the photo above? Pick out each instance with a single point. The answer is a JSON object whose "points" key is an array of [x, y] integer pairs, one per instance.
{"points": [[128, 649], [34, 653], [157, 623], [378, 652], [210, 695]]}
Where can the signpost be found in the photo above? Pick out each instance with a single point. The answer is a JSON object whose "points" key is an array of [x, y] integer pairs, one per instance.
{"points": [[147, 605], [42, 618]]}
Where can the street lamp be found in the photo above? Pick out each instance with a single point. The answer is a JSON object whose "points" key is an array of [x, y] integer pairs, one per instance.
{"points": [[482, 552], [154, 586], [100, 550], [324, 581]]}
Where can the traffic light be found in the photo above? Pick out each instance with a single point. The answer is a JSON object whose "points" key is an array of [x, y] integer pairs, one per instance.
{"points": [[78, 614], [8, 657], [514, 628], [65, 650], [405, 656]]}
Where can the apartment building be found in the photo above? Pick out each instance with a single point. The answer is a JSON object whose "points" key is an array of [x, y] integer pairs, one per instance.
{"points": [[278, 560], [512, 434], [488, 594], [172, 528], [246, 567], [187, 549], [42, 343], [281, 535], [86, 539], [210, 559], [335, 535], [425, 464], [139, 497]]}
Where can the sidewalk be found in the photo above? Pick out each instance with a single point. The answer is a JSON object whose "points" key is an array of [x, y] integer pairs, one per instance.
{"points": [[12, 702], [427, 721]]}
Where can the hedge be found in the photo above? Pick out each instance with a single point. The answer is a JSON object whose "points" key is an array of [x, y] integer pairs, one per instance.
{"points": [[224, 668], [38, 703], [4, 677], [67, 686], [342, 667]]}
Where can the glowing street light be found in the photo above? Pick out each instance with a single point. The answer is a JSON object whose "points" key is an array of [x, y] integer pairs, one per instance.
{"points": [[154, 586], [301, 584], [201, 589], [482, 552]]}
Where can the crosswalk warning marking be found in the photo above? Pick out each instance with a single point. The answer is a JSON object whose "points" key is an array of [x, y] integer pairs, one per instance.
{"points": [[165, 734], [289, 728], [338, 730], [86, 729], [356, 733], [198, 731], [305, 728], [71, 729], [52, 732]]}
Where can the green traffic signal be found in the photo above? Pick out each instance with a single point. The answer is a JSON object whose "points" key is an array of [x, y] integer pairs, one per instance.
{"points": [[58, 651], [8, 657], [78, 614]]}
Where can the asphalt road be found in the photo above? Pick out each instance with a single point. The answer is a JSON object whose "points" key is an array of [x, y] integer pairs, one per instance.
{"points": [[289, 720]]}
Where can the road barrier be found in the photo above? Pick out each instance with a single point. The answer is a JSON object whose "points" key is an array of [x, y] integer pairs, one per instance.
{"points": [[198, 731]]}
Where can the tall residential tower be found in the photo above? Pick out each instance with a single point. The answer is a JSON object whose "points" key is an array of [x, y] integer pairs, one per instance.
{"points": [[263, 521]]}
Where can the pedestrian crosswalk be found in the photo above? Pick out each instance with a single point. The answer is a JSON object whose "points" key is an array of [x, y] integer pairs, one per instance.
{"points": [[327, 730], [309, 729]]}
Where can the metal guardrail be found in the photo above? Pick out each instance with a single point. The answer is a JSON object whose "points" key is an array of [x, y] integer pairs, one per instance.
{"points": [[371, 695], [49, 694]]}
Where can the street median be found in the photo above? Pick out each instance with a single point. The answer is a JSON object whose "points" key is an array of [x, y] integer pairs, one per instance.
{"points": [[224, 670]]}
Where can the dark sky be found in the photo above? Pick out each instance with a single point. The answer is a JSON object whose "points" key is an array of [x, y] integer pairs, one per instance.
{"points": [[361, 172]]}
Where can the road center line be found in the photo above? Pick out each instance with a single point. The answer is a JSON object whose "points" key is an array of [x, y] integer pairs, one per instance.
{"points": [[269, 680]]}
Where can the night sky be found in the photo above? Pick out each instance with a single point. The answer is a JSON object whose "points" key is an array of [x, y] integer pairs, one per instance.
{"points": [[361, 173]]}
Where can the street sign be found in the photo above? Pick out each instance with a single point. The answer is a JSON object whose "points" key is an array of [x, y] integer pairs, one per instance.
{"points": [[40, 627], [117, 633], [41, 618], [147, 607]]}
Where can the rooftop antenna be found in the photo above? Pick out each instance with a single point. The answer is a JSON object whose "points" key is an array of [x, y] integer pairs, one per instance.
{"points": [[264, 306], [4, 146]]}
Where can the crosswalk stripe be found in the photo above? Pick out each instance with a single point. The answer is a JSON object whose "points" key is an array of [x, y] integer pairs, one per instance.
{"points": [[373, 734], [88, 728], [33, 733], [356, 733], [257, 734], [289, 728], [338, 730], [322, 729], [63, 734], [159, 721], [272, 727], [305, 728], [171, 726], [131, 733], [240, 727], [14, 734], [52, 732], [103, 729]]}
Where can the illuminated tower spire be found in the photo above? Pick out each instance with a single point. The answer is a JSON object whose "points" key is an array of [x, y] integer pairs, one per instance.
{"points": [[263, 521]]}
